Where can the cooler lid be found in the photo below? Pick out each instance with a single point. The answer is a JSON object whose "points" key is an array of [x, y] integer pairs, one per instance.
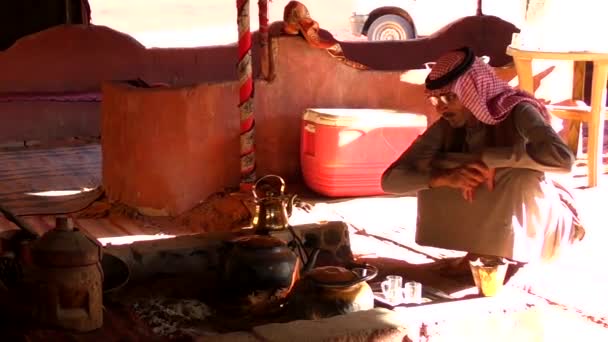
{"points": [[364, 116]]}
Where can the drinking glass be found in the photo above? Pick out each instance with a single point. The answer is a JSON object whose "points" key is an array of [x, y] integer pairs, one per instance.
{"points": [[412, 292], [392, 288]]}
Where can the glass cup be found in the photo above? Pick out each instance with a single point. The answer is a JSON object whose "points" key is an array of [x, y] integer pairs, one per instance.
{"points": [[412, 292], [489, 275], [392, 289]]}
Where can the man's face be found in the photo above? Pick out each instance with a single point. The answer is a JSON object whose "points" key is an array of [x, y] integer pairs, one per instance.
{"points": [[452, 110]]}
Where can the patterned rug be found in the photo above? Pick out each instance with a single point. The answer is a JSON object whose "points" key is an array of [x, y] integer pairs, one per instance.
{"points": [[43, 181]]}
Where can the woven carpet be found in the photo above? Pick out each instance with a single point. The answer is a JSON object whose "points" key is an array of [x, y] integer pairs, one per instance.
{"points": [[44, 181]]}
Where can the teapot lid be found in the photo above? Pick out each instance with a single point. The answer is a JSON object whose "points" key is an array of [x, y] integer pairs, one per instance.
{"points": [[65, 246], [333, 275], [264, 187]]}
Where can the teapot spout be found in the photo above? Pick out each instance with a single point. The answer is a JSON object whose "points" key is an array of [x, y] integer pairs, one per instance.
{"points": [[290, 204]]}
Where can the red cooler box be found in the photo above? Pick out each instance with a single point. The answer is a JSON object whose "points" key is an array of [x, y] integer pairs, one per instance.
{"points": [[343, 152]]}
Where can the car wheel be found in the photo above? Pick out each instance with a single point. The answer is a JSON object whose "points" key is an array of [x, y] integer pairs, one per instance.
{"points": [[390, 27]]}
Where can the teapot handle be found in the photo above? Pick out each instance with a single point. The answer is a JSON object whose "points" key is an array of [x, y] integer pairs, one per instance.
{"points": [[368, 272], [290, 204], [282, 182]]}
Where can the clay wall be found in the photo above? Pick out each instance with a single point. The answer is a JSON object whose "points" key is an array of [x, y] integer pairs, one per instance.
{"points": [[168, 148]]}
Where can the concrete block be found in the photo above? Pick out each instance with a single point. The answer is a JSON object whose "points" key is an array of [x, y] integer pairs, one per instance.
{"points": [[370, 325], [198, 253], [511, 316]]}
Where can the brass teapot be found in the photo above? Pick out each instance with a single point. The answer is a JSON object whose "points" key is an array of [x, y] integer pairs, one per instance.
{"points": [[272, 206]]}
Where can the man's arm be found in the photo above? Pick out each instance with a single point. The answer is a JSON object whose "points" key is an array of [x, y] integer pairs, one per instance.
{"points": [[412, 170], [543, 149]]}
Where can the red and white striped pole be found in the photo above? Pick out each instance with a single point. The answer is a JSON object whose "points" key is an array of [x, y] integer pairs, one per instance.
{"points": [[245, 73]]}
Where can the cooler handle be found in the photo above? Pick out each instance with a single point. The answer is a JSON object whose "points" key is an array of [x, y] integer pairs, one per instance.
{"points": [[347, 139], [308, 139]]}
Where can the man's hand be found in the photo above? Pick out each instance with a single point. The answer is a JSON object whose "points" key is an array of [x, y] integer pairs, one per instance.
{"points": [[469, 194], [466, 178]]}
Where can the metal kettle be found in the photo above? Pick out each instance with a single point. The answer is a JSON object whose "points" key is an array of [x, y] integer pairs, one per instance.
{"points": [[272, 206], [262, 264]]}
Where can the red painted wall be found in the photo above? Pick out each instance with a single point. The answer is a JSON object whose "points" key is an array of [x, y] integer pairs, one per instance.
{"points": [[167, 149]]}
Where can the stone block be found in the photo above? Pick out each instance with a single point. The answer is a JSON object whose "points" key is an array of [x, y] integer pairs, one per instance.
{"points": [[187, 254], [200, 253], [370, 325], [512, 315]]}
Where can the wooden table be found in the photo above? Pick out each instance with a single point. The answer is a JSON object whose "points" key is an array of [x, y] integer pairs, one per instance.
{"points": [[593, 115]]}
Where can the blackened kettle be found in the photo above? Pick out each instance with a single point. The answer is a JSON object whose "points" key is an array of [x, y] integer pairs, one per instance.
{"points": [[262, 263]]}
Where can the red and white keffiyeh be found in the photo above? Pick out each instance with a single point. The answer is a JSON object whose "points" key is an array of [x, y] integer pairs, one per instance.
{"points": [[479, 89]]}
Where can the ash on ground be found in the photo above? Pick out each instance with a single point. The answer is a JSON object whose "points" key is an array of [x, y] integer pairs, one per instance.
{"points": [[175, 318]]}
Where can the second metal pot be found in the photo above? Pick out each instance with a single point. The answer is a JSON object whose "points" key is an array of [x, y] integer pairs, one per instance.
{"points": [[331, 290]]}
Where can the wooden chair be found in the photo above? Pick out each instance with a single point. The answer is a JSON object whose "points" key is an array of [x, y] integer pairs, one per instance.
{"points": [[594, 115]]}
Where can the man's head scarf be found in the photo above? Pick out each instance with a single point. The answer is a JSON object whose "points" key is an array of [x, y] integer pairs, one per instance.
{"points": [[489, 98]]}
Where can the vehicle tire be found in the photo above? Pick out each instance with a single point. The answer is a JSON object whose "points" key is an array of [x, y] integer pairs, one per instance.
{"points": [[390, 27]]}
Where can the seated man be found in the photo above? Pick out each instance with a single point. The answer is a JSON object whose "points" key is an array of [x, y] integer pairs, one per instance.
{"points": [[479, 171]]}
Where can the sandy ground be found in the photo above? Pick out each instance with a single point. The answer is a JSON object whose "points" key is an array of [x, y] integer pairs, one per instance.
{"points": [[574, 285]]}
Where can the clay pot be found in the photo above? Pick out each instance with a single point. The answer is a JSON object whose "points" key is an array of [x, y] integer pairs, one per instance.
{"points": [[330, 291], [68, 278]]}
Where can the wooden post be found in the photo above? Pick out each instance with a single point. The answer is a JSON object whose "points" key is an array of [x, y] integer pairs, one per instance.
{"points": [[264, 44], [574, 136], [68, 11]]}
